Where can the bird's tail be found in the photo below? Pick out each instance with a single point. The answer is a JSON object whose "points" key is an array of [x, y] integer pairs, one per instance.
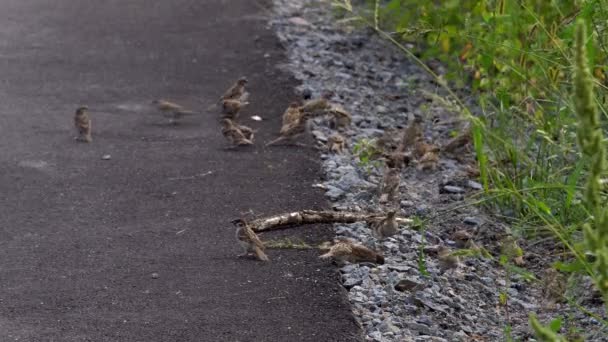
{"points": [[185, 112], [327, 255], [275, 141], [259, 253], [245, 142]]}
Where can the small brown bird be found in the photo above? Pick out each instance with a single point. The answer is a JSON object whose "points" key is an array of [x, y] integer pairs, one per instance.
{"points": [[428, 161], [386, 227], [461, 140], [231, 108], [247, 132], [421, 148], [234, 134], [292, 113], [336, 143], [292, 130], [462, 238], [82, 122], [249, 240], [411, 134], [172, 111], [316, 107], [397, 159], [447, 261], [347, 250], [342, 118], [236, 91], [389, 189]]}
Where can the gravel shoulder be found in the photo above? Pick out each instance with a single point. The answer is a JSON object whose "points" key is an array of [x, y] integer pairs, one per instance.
{"points": [[139, 247], [410, 298]]}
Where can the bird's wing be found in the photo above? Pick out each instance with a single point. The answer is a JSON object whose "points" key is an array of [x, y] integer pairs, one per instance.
{"points": [[254, 238]]}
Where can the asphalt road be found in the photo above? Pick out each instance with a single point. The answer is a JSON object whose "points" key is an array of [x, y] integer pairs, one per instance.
{"points": [[81, 237]]}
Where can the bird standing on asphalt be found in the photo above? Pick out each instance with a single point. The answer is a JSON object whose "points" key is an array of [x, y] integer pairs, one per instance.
{"points": [[82, 122], [386, 227], [292, 113], [347, 250], [236, 91], [250, 242], [231, 108], [234, 133], [292, 129], [172, 111]]}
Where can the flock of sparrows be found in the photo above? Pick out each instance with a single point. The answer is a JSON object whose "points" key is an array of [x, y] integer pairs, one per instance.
{"points": [[411, 147]]}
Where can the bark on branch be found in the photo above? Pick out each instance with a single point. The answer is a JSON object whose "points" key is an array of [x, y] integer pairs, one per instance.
{"points": [[315, 217]]}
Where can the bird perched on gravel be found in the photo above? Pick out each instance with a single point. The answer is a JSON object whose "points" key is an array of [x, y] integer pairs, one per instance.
{"points": [[231, 108], [385, 227], [461, 238], [341, 117], [249, 240], [234, 134], [389, 189], [236, 91], [292, 130], [318, 107], [336, 143], [82, 122], [172, 111], [347, 250], [447, 261], [292, 113], [411, 134]]}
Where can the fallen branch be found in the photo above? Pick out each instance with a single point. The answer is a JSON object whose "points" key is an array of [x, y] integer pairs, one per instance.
{"points": [[316, 217]]}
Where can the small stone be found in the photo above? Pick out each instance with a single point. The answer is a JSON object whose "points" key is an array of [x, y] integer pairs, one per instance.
{"points": [[319, 135], [473, 221], [155, 275], [474, 185], [452, 189], [456, 197], [421, 328], [408, 285], [406, 204], [334, 193], [399, 268], [106, 157], [375, 336], [299, 21]]}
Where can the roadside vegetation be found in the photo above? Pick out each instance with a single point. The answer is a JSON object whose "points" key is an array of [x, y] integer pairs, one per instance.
{"points": [[530, 75]]}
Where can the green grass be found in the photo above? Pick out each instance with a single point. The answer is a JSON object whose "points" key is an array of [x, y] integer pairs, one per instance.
{"points": [[519, 59]]}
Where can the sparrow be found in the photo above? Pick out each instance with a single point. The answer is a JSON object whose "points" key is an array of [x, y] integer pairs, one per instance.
{"points": [[447, 261], [82, 122], [292, 130], [397, 159], [347, 250], [385, 227], [421, 148], [171, 110], [247, 132], [231, 108], [316, 107], [249, 240], [236, 91], [554, 286], [462, 238], [336, 143], [292, 113], [342, 118], [389, 189], [462, 140], [411, 134], [234, 134], [428, 161]]}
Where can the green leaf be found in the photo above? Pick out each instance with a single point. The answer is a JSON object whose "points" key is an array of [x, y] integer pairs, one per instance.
{"points": [[556, 324]]}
